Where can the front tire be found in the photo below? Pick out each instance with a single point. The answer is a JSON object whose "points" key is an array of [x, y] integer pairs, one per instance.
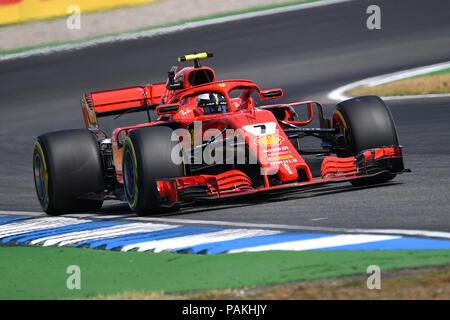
{"points": [[147, 156], [68, 172], [365, 122]]}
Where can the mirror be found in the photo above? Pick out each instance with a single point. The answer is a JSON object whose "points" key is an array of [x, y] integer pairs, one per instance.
{"points": [[167, 109], [300, 114], [271, 94]]}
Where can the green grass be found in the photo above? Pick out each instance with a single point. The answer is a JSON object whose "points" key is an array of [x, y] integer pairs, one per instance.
{"points": [[209, 17], [435, 73], [40, 272], [436, 82]]}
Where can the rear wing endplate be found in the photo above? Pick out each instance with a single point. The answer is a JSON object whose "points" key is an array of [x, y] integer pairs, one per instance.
{"points": [[115, 102]]}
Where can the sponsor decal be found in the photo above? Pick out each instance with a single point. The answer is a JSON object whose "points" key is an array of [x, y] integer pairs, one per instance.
{"points": [[287, 168], [273, 151], [185, 112], [261, 129], [269, 140], [280, 162], [276, 153], [277, 158]]}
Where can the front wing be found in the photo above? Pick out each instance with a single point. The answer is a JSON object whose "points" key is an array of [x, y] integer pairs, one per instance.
{"points": [[374, 164]]}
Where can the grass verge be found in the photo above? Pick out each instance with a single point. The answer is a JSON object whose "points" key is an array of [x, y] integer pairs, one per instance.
{"points": [[433, 83], [40, 272], [406, 284]]}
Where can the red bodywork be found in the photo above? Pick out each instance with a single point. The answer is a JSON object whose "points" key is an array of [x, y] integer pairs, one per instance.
{"points": [[276, 155], [234, 182]]}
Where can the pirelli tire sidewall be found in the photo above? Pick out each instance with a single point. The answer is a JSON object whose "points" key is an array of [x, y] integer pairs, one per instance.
{"points": [[147, 156], [73, 171], [368, 123]]}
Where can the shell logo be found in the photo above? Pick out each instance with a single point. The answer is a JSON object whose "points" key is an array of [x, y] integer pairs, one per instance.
{"points": [[269, 140]]}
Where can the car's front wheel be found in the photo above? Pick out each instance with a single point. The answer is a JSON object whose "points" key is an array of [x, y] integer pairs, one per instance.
{"points": [[147, 156], [364, 123]]}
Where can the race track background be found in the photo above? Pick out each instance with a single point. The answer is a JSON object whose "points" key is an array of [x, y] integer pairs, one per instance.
{"points": [[307, 53]]}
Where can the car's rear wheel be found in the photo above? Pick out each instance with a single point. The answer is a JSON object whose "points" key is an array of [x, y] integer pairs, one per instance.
{"points": [[147, 156], [68, 172], [364, 123]]}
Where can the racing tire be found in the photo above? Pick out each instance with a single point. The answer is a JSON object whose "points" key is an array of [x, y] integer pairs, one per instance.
{"points": [[147, 156], [366, 123], [68, 172]]}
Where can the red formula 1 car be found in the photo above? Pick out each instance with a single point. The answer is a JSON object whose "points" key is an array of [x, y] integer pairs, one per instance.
{"points": [[209, 141]]}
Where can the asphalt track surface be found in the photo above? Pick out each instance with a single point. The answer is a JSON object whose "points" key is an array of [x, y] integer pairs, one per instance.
{"points": [[307, 53]]}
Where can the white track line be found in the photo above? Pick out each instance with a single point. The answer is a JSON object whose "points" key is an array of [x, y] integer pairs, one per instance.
{"points": [[192, 240], [339, 93], [23, 213], [320, 243], [419, 233], [165, 30], [419, 96]]}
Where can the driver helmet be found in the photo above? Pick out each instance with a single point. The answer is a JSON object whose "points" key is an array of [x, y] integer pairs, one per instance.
{"points": [[212, 103]]}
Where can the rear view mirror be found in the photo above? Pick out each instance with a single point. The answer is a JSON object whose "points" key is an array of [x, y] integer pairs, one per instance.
{"points": [[167, 109], [301, 113], [271, 94]]}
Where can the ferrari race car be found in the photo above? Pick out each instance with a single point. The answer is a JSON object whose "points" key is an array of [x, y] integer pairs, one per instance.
{"points": [[209, 140]]}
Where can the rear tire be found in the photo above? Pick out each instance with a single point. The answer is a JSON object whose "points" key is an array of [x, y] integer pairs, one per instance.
{"points": [[68, 172], [366, 123], [147, 156]]}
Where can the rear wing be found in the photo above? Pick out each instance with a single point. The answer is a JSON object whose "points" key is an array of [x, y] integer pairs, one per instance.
{"points": [[114, 102]]}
